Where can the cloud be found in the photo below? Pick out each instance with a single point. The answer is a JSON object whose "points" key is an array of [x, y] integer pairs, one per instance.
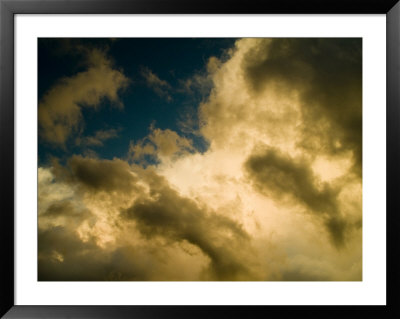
{"points": [[300, 94], [98, 138], [215, 247], [63, 256], [327, 74], [280, 176], [201, 82], [97, 175], [177, 218], [303, 97], [66, 209], [160, 145], [160, 87], [60, 108]]}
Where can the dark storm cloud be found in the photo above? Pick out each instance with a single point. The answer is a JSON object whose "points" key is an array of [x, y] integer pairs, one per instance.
{"points": [[328, 75], [284, 178], [98, 175], [177, 218], [63, 256], [303, 275], [67, 210]]}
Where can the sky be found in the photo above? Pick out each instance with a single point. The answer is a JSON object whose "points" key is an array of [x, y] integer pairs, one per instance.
{"points": [[200, 159]]}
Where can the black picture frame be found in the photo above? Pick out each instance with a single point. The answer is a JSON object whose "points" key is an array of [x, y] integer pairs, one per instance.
{"points": [[9, 8]]}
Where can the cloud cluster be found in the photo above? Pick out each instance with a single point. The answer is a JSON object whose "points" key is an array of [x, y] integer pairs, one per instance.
{"points": [[153, 220], [300, 99], [327, 76], [276, 196], [60, 109], [167, 214]]}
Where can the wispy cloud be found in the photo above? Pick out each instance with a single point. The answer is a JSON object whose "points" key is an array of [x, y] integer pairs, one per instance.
{"points": [[161, 87], [98, 138]]}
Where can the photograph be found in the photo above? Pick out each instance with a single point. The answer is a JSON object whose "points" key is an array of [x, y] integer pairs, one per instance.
{"points": [[199, 159]]}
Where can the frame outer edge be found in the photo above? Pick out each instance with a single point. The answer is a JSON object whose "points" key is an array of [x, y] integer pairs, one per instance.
{"points": [[7, 146], [201, 6], [393, 155], [7, 156]]}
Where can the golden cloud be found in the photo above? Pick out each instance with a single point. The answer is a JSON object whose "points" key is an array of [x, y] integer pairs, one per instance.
{"points": [[160, 144]]}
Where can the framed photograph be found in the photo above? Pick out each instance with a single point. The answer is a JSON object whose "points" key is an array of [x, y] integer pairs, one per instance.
{"points": [[176, 159]]}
